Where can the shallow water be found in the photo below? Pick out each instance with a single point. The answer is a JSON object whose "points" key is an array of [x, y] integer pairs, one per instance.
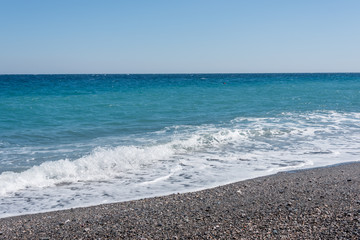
{"points": [[79, 140]]}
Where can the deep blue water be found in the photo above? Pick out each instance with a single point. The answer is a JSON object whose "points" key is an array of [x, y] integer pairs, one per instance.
{"points": [[65, 140]]}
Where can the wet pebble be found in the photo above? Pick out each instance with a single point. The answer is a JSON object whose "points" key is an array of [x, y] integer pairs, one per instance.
{"points": [[219, 213]]}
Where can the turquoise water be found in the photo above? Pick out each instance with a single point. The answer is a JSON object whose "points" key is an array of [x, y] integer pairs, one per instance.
{"points": [[78, 140]]}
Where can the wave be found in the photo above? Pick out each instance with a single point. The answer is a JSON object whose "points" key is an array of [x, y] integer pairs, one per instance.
{"points": [[101, 164], [265, 143]]}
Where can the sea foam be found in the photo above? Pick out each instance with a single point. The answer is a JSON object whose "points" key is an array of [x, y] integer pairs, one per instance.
{"points": [[185, 158]]}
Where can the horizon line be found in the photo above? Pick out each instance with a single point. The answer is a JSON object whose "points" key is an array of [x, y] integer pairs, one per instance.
{"points": [[202, 73]]}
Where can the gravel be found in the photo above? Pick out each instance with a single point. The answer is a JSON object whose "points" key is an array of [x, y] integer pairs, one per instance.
{"points": [[321, 203]]}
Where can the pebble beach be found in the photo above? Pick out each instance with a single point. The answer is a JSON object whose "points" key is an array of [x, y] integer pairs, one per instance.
{"points": [[320, 203]]}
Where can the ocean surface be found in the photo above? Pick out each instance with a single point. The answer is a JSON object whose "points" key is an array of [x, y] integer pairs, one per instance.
{"points": [[79, 140]]}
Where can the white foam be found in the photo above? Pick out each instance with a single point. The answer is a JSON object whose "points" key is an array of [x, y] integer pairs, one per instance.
{"points": [[185, 158], [102, 164], [159, 179]]}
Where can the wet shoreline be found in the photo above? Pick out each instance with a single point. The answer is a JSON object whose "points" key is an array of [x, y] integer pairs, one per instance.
{"points": [[309, 204]]}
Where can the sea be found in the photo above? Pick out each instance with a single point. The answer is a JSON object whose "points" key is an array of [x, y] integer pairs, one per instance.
{"points": [[71, 141]]}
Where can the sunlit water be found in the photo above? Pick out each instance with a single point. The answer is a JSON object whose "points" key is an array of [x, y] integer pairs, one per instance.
{"points": [[79, 140]]}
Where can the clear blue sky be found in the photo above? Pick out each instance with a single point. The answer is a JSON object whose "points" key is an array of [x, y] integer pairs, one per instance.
{"points": [[179, 36]]}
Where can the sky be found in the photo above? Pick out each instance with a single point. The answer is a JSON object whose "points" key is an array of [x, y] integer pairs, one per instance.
{"points": [[179, 36]]}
